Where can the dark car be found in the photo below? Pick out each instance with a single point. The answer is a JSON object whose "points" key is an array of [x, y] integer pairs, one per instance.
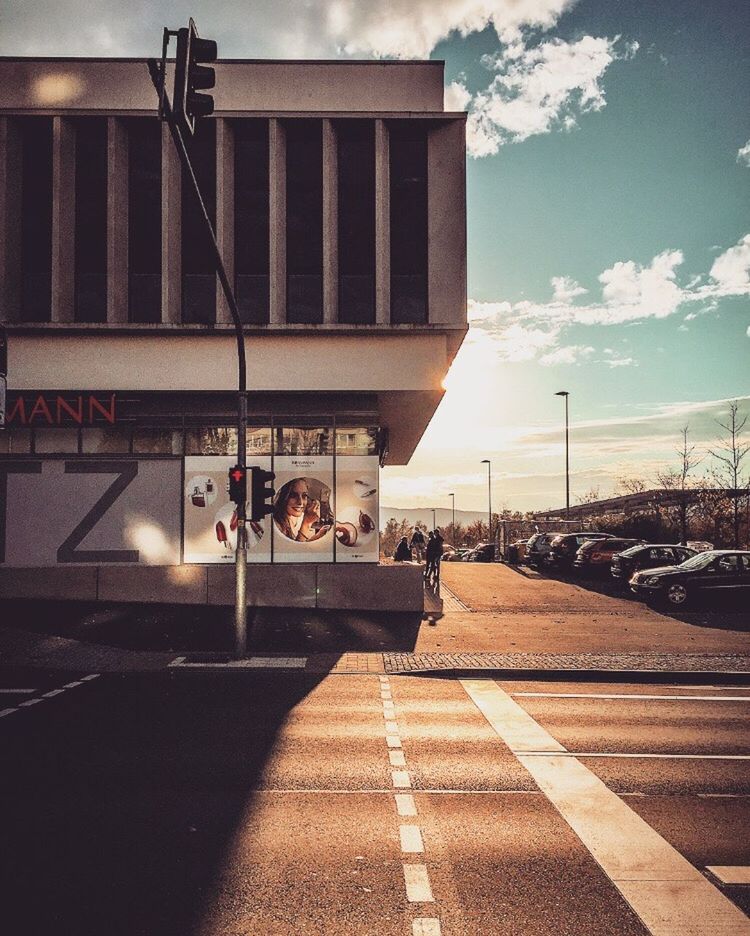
{"points": [[564, 547], [715, 572], [652, 556], [595, 556], [484, 552]]}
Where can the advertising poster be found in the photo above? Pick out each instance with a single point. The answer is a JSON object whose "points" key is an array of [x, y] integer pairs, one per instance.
{"points": [[98, 511], [357, 534], [303, 516], [210, 531]]}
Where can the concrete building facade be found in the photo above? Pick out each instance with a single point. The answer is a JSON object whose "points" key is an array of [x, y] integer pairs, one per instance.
{"points": [[337, 190]]}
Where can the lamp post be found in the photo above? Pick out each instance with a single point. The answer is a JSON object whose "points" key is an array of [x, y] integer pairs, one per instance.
{"points": [[434, 522], [453, 522], [564, 393], [488, 463]]}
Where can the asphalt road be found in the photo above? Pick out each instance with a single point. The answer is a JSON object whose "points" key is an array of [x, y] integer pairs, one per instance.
{"points": [[234, 802]]}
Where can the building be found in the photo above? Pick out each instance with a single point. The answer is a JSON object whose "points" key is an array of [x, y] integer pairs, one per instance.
{"points": [[338, 195]]}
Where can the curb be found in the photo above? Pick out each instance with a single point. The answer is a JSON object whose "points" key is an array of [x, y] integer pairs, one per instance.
{"points": [[682, 677]]}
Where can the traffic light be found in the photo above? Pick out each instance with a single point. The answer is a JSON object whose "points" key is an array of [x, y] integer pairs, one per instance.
{"points": [[238, 484], [191, 77], [261, 491]]}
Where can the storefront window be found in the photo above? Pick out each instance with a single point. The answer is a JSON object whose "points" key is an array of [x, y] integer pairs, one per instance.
{"points": [[15, 441], [258, 442], [357, 441], [105, 441], [157, 442], [219, 440], [303, 441], [55, 441]]}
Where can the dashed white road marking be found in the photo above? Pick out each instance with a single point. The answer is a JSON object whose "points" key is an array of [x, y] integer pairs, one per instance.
{"points": [[29, 703], [405, 805], [731, 874], [178, 661], [669, 895], [624, 695], [73, 685], [90, 677], [426, 926], [7, 711], [417, 880], [401, 779], [393, 741], [397, 758], [17, 691], [411, 839], [52, 693], [391, 727]]}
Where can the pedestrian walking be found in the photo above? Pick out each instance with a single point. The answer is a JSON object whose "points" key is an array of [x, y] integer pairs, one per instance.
{"points": [[434, 555], [418, 544]]}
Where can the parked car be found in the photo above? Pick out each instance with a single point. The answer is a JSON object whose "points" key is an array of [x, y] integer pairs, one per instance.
{"points": [[564, 547], [714, 572], [596, 555], [517, 551], [699, 545], [651, 556], [460, 554], [538, 547], [483, 552]]}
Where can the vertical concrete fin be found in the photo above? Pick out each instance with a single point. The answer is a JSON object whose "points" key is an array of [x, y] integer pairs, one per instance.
{"points": [[11, 175], [382, 224], [277, 219], [63, 219], [446, 219], [330, 224], [117, 220], [171, 230], [224, 211]]}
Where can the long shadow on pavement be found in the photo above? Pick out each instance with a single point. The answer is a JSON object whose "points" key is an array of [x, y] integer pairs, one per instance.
{"points": [[120, 802]]}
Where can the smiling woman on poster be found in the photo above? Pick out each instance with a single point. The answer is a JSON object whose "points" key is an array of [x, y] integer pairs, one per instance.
{"points": [[297, 515]]}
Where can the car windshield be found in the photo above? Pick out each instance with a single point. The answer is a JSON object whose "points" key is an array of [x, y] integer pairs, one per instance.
{"points": [[700, 561]]}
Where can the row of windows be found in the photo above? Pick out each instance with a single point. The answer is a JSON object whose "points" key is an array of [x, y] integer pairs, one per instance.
{"points": [[355, 143], [221, 440]]}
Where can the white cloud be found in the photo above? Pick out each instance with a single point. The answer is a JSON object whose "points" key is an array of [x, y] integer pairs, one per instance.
{"points": [[540, 88], [743, 154], [566, 289], [731, 270], [456, 97], [567, 354]]}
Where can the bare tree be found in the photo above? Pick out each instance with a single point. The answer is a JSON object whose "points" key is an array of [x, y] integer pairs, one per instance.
{"points": [[627, 485], [677, 479], [730, 453]]}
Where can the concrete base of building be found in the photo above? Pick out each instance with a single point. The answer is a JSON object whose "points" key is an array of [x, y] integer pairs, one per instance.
{"points": [[331, 587]]}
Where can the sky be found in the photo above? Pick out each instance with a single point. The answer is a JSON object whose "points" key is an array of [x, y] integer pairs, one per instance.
{"points": [[609, 233]]}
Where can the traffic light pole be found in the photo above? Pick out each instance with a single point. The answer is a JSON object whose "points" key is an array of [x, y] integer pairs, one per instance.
{"points": [[240, 611]]}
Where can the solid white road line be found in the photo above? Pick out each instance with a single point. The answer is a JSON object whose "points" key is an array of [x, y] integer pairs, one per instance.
{"points": [[737, 757], [731, 874], [400, 779], [622, 695], [405, 805], [411, 839], [669, 895], [417, 880], [17, 691], [426, 926]]}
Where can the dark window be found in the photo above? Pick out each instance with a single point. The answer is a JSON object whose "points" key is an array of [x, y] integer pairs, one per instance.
{"points": [[144, 219], [304, 220], [408, 165], [356, 211], [251, 244], [36, 218], [91, 220], [198, 269]]}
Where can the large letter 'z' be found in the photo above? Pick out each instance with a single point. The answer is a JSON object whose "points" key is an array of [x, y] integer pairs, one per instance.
{"points": [[125, 471]]}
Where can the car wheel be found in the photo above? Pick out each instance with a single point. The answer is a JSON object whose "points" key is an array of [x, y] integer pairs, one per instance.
{"points": [[677, 595]]}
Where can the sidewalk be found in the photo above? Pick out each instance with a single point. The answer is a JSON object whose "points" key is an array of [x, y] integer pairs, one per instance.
{"points": [[496, 622]]}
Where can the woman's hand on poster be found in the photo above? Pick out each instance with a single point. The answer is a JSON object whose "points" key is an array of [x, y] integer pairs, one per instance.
{"points": [[312, 516]]}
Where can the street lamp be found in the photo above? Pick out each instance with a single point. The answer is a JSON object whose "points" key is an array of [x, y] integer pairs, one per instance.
{"points": [[564, 393], [434, 522], [486, 461], [453, 522]]}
